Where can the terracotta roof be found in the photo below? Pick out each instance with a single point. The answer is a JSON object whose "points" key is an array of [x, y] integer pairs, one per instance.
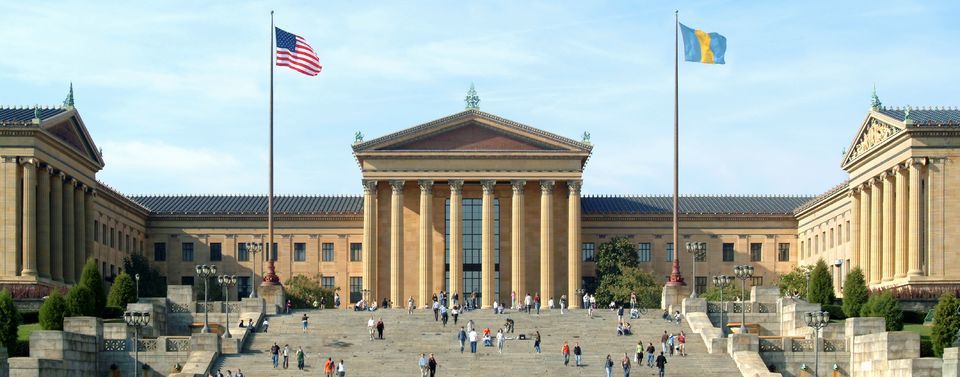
{"points": [[929, 116], [250, 205], [24, 115], [713, 205]]}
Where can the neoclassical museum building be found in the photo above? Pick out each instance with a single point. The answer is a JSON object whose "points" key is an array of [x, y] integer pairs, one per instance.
{"points": [[473, 202]]}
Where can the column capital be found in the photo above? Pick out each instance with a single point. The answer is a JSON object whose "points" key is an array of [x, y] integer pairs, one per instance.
{"points": [[546, 186], [574, 186], [917, 161], [456, 186], [9, 159], [29, 161], [369, 186], [518, 185], [397, 186], [488, 185], [47, 168], [60, 174], [426, 185]]}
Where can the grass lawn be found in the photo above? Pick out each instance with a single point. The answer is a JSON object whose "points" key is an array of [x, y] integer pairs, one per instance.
{"points": [[24, 331], [924, 331]]}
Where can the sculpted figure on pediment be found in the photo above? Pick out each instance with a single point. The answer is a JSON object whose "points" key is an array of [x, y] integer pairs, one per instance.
{"points": [[875, 133]]}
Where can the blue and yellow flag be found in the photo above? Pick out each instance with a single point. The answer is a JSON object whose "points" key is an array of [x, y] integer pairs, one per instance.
{"points": [[703, 47]]}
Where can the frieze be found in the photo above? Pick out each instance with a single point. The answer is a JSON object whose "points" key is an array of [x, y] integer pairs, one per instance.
{"points": [[875, 133]]}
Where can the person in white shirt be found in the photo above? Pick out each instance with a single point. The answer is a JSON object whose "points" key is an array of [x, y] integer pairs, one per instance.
{"points": [[528, 302], [550, 303], [341, 370], [473, 340], [496, 307], [371, 327], [500, 341]]}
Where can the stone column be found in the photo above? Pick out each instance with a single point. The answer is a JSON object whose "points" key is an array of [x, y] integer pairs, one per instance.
{"points": [[29, 202], [518, 264], [864, 231], [456, 240], [888, 226], [370, 237], [426, 239], [88, 226], [854, 246], [876, 249], [396, 243], [56, 222], [80, 231], [900, 234], [69, 236], [914, 218], [487, 248], [573, 244], [546, 240], [43, 222], [11, 206]]}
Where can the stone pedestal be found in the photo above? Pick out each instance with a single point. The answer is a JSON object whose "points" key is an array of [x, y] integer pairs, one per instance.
{"points": [[951, 362], [672, 296], [205, 342], [274, 297], [694, 305]]}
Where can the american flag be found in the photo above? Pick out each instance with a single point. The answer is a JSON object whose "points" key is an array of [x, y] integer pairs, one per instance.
{"points": [[294, 52]]}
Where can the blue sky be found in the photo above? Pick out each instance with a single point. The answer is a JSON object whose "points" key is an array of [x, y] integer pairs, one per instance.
{"points": [[175, 93]]}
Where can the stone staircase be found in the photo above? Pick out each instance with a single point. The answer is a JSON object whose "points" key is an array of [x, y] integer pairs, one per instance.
{"points": [[343, 335]]}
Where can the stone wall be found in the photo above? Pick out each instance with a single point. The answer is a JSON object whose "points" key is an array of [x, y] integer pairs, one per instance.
{"points": [[892, 353], [69, 353]]}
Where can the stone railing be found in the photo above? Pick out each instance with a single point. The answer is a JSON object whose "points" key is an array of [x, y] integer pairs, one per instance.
{"points": [[737, 307], [788, 344], [179, 344]]}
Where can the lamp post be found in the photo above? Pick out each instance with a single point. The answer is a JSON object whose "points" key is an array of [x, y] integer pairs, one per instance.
{"points": [[253, 249], [137, 320], [806, 288], [205, 272], [817, 320], [227, 281], [722, 281], [137, 278], [696, 249], [743, 272]]}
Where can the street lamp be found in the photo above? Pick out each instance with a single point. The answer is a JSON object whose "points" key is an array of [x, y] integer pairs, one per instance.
{"points": [[253, 249], [137, 320], [743, 272], [227, 281], [722, 281], [137, 278], [205, 272], [817, 320], [696, 249]]}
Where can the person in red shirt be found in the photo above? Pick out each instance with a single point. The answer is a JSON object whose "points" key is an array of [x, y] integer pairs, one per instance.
{"points": [[565, 350]]}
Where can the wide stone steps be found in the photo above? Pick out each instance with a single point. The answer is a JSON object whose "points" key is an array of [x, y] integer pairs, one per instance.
{"points": [[343, 335]]}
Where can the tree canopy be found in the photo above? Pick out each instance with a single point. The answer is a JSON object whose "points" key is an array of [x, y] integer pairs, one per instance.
{"points": [[946, 321], [122, 292], [619, 275], [52, 310], [855, 293], [795, 281], [152, 284], [821, 285], [80, 302], [91, 279], [886, 306], [9, 321]]}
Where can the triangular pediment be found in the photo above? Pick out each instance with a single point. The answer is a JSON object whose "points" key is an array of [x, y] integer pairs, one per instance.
{"points": [[875, 130], [472, 130], [69, 128]]}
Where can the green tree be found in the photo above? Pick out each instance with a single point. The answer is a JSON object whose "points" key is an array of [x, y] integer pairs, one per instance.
{"points": [[617, 287], [821, 285], [855, 293], [886, 306], [795, 281], [80, 302], [945, 323], [9, 321], [215, 290], [52, 311], [730, 292], [91, 279], [614, 255], [303, 291], [122, 292], [152, 283]]}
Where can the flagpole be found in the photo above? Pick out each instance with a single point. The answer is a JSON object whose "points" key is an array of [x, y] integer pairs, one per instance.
{"points": [[675, 278], [271, 277]]}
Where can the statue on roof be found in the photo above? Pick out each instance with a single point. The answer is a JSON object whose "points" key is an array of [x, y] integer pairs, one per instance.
{"points": [[472, 100], [68, 102], [358, 137], [874, 100], [586, 137]]}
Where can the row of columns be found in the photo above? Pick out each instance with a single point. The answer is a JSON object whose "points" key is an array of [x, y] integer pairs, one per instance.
{"points": [[487, 280], [57, 223], [886, 216]]}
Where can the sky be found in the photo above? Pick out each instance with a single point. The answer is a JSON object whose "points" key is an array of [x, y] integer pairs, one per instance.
{"points": [[176, 93]]}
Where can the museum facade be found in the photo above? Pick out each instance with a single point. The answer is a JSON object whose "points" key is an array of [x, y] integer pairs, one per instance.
{"points": [[493, 205]]}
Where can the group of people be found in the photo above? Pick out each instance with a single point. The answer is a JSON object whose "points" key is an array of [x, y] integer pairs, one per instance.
{"points": [[330, 367], [660, 361]]}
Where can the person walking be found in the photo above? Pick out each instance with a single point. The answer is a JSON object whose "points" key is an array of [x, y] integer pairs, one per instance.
{"points": [[411, 305], [472, 336], [620, 313], [536, 341], [500, 340], [341, 369], [638, 358], [462, 337], [663, 341], [565, 351], [455, 312], [436, 310], [577, 352], [536, 301], [682, 341], [432, 365], [650, 357], [444, 316], [625, 364], [300, 357], [563, 303], [275, 354], [336, 300], [286, 356], [289, 306], [265, 325], [328, 367], [528, 302], [671, 341], [608, 366], [422, 362], [304, 320], [380, 328], [661, 364], [323, 302], [371, 327], [586, 300]]}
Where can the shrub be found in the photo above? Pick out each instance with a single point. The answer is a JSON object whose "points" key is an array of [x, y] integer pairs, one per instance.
{"points": [[80, 302], [617, 287], [122, 293], [91, 279], [821, 285], [836, 311], [52, 311], [926, 348], [855, 293], [886, 306], [730, 292], [945, 323], [302, 291], [9, 321], [152, 283]]}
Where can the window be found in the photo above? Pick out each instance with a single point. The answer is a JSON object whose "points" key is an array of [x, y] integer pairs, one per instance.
{"points": [[669, 252], [243, 286], [327, 282], [801, 249], [356, 286], [216, 252], [848, 232], [186, 252], [816, 244], [356, 252], [113, 272], [471, 209], [701, 284], [327, 251], [103, 231], [756, 252], [159, 251], [784, 252], [756, 281], [96, 225], [113, 241], [831, 237], [128, 243], [728, 252], [809, 243], [186, 280], [823, 245], [643, 251], [588, 251], [299, 252], [243, 254]]}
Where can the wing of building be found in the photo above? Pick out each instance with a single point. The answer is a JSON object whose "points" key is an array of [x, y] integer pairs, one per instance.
{"points": [[485, 202]]}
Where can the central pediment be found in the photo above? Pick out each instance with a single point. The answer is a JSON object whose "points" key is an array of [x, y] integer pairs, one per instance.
{"points": [[472, 137]]}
